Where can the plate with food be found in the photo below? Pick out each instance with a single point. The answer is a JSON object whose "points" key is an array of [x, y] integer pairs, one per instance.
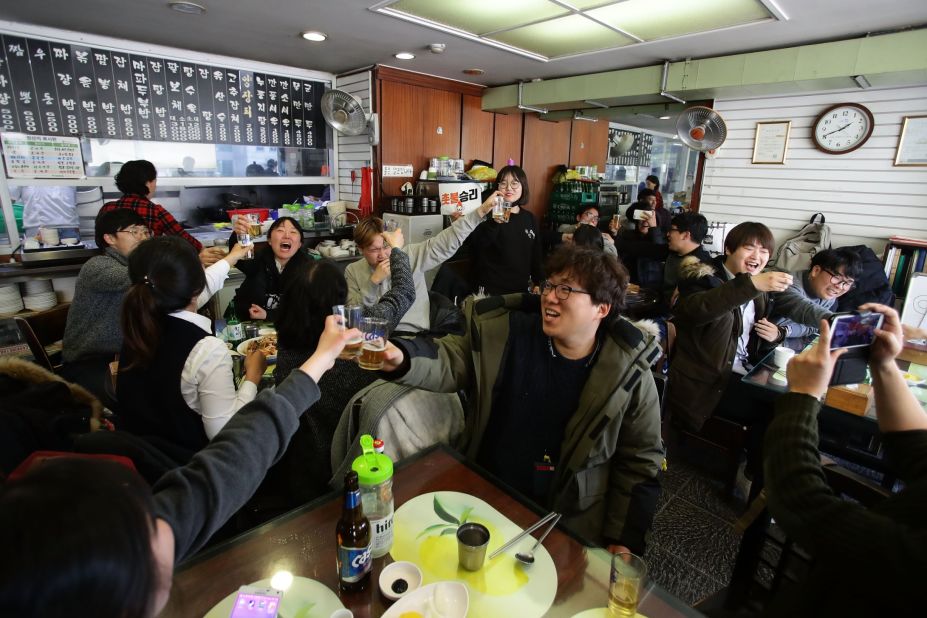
{"points": [[266, 344]]}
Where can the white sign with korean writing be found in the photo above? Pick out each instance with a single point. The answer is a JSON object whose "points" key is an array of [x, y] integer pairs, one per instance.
{"points": [[459, 197], [41, 156], [397, 171]]}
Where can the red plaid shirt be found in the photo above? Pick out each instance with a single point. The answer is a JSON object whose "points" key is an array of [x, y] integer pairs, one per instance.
{"points": [[159, 221]]}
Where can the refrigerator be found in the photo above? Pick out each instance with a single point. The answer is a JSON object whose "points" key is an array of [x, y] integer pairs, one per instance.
{"points": [[417, 228]]}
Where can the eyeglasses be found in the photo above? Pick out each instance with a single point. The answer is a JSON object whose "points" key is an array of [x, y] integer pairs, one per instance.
{"points": [[136, 230], [840, 281], [512, 184], [590, 216], [563, 291]]}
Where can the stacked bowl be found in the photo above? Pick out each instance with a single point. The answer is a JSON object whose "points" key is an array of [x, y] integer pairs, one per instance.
{"points": [[10, 300], [39, 295]]}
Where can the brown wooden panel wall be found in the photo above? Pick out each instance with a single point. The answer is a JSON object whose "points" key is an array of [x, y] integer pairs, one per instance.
{"points": [[546, 145], [440, 125], [589, 143], [400, 131], [507, 140], [476, 137]]}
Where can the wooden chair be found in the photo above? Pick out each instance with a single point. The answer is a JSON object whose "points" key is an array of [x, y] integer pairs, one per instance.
{"points": [[43, 329]]}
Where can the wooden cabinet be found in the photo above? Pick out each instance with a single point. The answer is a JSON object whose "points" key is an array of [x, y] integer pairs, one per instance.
{"points": [[589, 143], [546, 145], [476, 131], [506, 142]]}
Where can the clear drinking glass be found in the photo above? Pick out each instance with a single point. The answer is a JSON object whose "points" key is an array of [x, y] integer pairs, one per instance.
{"points": [[350, 316], [625, 585], [375, 330]]}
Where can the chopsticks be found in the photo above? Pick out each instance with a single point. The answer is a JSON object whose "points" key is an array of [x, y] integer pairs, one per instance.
{"points": [[524, 533]]}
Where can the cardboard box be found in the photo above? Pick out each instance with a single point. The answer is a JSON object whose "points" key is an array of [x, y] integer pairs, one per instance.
{"points": [[853, 398]]}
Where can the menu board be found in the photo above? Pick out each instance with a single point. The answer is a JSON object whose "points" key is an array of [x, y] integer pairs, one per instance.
{"points": [[41, 156], [50, 88]]}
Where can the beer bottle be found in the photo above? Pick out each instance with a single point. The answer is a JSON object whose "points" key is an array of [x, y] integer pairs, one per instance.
{"points": [[353, 539]]}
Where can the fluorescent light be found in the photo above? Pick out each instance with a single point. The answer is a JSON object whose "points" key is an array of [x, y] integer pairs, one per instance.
{"points": [[664, 117], [861, 81], [578, 115], [315, 36], [405, 56]]}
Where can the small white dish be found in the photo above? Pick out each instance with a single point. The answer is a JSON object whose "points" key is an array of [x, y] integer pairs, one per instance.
{"points": [[267, 331], [393, 573], [445, 599]]}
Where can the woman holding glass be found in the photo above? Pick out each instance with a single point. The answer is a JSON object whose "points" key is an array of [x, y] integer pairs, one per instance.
{"points": [[506, 249], [311, 293]]}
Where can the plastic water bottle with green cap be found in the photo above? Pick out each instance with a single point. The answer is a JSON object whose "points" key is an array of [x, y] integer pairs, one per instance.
{"points": [[375, 473]]}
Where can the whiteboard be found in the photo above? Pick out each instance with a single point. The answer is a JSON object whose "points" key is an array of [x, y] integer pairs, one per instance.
{"points": [[915, 302]]}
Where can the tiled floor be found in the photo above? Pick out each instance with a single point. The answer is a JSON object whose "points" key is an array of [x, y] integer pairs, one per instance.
{"points": [[693, 545]]}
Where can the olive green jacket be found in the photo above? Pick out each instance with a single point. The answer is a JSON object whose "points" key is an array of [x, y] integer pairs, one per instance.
{"points": [[607, 483]]}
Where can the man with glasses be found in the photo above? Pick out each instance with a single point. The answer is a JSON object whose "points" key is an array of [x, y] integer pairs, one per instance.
{"points": [[369, 279], [588, 216], [684, 239], [562, 403], [813, 295]]}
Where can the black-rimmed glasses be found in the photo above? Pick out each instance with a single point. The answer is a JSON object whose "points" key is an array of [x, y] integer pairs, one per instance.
{"points": [[562, 290], [839, 280]]}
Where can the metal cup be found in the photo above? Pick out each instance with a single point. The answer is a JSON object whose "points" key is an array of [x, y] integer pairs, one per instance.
{"points": [[472, 541]]}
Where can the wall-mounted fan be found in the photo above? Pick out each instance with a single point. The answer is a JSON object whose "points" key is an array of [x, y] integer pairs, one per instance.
{"points": [[345, 113], [701, 128]]}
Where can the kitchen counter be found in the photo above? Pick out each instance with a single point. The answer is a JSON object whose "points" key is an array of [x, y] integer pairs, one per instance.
{"points": [[14, 272]]}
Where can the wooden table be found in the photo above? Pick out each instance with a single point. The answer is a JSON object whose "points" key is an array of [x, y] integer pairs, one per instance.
{"points": [[303, 542]]}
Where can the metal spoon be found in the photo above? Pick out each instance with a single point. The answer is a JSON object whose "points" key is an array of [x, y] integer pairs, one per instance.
{"points": [[527, 558]]}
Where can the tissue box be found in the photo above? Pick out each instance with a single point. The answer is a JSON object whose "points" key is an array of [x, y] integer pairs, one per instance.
{"points": [[853, 398]]}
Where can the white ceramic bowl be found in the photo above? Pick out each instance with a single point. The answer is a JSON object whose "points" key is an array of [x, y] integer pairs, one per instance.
{"points": [[394, 572], [447, 599]]}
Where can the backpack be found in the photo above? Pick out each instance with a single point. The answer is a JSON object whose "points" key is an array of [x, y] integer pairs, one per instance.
{"points": [[872, 285], [797, 251]]}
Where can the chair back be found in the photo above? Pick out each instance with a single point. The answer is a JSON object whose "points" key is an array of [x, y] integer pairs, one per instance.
{"points": [[43, 329]]}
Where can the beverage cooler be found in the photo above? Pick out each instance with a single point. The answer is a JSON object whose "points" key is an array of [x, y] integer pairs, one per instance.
{"points": [[416, 228]]}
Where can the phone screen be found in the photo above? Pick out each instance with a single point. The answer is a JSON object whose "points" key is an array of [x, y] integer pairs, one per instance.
{"points": [[854, 330], [256, 604]]}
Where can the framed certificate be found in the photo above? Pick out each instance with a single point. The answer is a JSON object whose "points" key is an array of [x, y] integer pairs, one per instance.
{"points": [[912, 143], [771, 142]]}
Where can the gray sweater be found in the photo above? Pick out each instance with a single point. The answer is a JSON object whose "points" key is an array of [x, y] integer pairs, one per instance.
{"points": [[197, 499], [93, 319], [423, 256], [806, 311]]}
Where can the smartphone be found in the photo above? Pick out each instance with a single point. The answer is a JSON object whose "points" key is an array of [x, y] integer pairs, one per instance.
{"points": [[640, 214], [256, 602], [854, 329]]}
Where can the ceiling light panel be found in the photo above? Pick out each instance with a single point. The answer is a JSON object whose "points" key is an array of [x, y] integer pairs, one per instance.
{"points": [[660, 19], [473, 18], [564, 36]]}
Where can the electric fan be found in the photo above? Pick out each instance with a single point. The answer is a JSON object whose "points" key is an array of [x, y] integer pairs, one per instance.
{"points": [[701, 128], [345, 113]]}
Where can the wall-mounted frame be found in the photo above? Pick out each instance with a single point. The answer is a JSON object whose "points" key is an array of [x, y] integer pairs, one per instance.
{"points": [[912, 143], [771, 142]]}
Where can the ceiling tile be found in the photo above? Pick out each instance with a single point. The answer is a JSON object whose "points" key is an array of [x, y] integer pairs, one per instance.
{"points": [[660, 19], [474, 17], [573, 34]]}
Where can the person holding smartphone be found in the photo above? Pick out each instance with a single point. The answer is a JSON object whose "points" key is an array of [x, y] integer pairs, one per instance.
{"points": [[887, 541]]}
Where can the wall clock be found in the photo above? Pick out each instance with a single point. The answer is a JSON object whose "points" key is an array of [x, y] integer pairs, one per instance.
{"points": [[842, 128]]}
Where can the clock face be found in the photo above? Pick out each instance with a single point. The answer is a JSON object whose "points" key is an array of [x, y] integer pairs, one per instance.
{"points": [[842, 128]]}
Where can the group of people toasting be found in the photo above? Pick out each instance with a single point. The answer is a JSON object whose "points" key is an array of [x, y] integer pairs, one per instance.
{"points": [[560, 399]]}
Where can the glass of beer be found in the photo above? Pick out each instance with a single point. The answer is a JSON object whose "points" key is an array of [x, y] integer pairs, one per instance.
{"points": [[349, 316], [255, 225], [498, 210], [506, 211], [625, 585], [374, 344]]}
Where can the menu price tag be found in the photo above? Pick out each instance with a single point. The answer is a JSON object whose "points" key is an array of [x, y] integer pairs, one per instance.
{"points": [[41, 156], [459, 197], [397, 171]]}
